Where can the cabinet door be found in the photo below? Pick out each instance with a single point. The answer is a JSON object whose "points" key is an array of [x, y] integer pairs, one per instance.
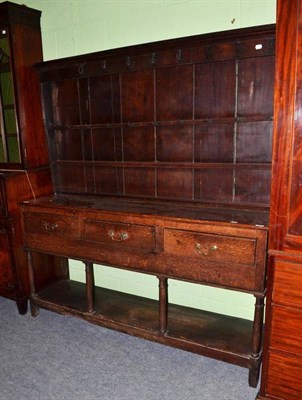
{"points": [[286, 196], [9, 143], [6, 274]]}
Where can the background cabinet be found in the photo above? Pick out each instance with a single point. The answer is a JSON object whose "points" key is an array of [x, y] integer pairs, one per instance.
{"points": [[282, 367], [6, 271], [24, 170]]}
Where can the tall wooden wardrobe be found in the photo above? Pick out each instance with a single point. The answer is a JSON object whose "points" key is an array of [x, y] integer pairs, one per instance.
{"points": [[282, 367]]}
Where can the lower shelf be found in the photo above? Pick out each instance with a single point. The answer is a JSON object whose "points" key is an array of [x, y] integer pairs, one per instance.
{"points": [[214, 335]]}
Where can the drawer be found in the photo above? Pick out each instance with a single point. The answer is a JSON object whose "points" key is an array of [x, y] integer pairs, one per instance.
{"points": [[287, 329], [120, 234], [284, 378], [287, 283], [50, 224], [222, 248]]}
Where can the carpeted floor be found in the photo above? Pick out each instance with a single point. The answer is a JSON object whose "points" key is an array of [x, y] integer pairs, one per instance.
{"points": [[54, 357]]}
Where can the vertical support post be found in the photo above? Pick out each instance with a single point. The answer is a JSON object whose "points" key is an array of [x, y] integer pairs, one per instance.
{"points": [[163, 304], [64, 267], [34, 309], [257, 326], [89, 286], [256, 340]]}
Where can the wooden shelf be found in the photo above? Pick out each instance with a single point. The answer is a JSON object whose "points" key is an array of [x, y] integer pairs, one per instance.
{"points": [[199, 331]]}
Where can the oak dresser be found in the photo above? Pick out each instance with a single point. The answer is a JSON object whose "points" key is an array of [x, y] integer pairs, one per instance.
{"points": [[161, 163]]}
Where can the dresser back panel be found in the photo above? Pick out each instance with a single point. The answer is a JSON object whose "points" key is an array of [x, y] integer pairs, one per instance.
{"points": [[187, 120]]}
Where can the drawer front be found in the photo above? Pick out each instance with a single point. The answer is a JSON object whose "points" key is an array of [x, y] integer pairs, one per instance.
{"points": [[50, 224], [284, 378], [212, 247], [287, 329], [288, 283], [120, 235]]}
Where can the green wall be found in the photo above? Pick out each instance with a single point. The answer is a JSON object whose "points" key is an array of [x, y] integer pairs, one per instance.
{"points": [[71, 27]]}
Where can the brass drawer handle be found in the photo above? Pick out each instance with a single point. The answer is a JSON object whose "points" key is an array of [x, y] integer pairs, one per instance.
{"points": [[118, 237], [211, 250], [49, 227]]}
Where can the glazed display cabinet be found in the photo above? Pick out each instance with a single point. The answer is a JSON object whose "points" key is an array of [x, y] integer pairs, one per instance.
{"points": [[24, 169]]}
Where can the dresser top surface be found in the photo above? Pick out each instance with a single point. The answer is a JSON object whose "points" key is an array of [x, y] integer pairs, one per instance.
{"points": [[243, 216]]}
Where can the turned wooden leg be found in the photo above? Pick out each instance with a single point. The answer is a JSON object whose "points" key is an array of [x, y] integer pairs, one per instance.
{"points": [[34, 308], [22, 305], [163, 304], [254, 373], [89, 286], [256, 340]]}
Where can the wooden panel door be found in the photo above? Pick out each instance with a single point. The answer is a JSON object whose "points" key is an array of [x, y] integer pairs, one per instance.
{"points": [[282, 366], [286, 196]]}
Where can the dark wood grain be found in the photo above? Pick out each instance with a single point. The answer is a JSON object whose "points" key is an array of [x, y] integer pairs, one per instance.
{"points": [[256, 90], [282, 366], [215, 92], [207, 143], [139, 143], [174, 90], [65, 99], [104, 95], [144, 113], [174, 143], [137, 96]]}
